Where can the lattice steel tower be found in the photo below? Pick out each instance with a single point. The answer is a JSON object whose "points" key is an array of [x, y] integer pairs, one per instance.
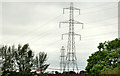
{"points": [[62, 59], [71, 59]]}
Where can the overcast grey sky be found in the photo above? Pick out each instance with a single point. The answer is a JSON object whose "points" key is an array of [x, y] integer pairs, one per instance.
{"points": [[37, 23]]}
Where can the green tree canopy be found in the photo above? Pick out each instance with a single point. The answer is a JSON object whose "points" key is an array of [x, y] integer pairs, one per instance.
{"points": [[105, 58]]}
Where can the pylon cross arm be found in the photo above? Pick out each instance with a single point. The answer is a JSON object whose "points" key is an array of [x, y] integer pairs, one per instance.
{"points": [[77, 9], [77, 22], [63, 22], [64, 34], [78, 35], [64, 10]]}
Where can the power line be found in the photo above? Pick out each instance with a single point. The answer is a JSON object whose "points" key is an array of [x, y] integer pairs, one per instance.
{"points": [[98, 6], [58, 69], [89, 36], [99, 10], [34, 39], [35, 30]]}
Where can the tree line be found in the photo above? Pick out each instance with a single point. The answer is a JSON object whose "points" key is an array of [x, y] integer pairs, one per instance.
{"points": [[22, 59]]}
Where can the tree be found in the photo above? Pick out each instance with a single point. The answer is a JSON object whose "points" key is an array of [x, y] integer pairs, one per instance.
{"points": [[101, 46], [41, 62], [35, 63], [24, 56], [104, 58], [21, 59], [7, 54], [109, 45]]}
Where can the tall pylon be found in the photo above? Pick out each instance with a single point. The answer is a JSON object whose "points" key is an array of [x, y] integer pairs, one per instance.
{"points": [[71, 59], [62, 59]]}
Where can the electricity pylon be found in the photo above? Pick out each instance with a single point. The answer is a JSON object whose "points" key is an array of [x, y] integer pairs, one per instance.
{"points": [[62, 59], [71, 59]]}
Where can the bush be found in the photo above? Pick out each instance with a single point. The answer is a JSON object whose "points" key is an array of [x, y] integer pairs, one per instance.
{"points": [[6, 73]]}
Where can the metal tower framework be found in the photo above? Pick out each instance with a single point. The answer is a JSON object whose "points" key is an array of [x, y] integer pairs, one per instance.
{"points": [[71, 59], [62, 59]]}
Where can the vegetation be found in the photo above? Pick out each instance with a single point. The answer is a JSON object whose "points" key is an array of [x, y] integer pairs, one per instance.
{"points": [[105, 59], [1, 72], [40, 62], [110, 71], [22, 59], [8, 58]]}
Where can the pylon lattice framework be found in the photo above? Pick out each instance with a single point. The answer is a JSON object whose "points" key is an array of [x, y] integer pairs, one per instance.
{"points": [[62, 58], [71, 58]]}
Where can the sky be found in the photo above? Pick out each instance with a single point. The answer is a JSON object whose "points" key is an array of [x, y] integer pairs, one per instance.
{"points": [[37, 23]]}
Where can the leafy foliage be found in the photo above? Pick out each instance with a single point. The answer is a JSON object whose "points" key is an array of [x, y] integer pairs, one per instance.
{"points": [[110, 71], [104, 59], [22, 59], [41, 62], [109, 45], [8, 58]]}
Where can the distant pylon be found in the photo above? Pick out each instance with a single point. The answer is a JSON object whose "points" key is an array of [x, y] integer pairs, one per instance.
{"points": [[62, 59], [71, 59]]}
